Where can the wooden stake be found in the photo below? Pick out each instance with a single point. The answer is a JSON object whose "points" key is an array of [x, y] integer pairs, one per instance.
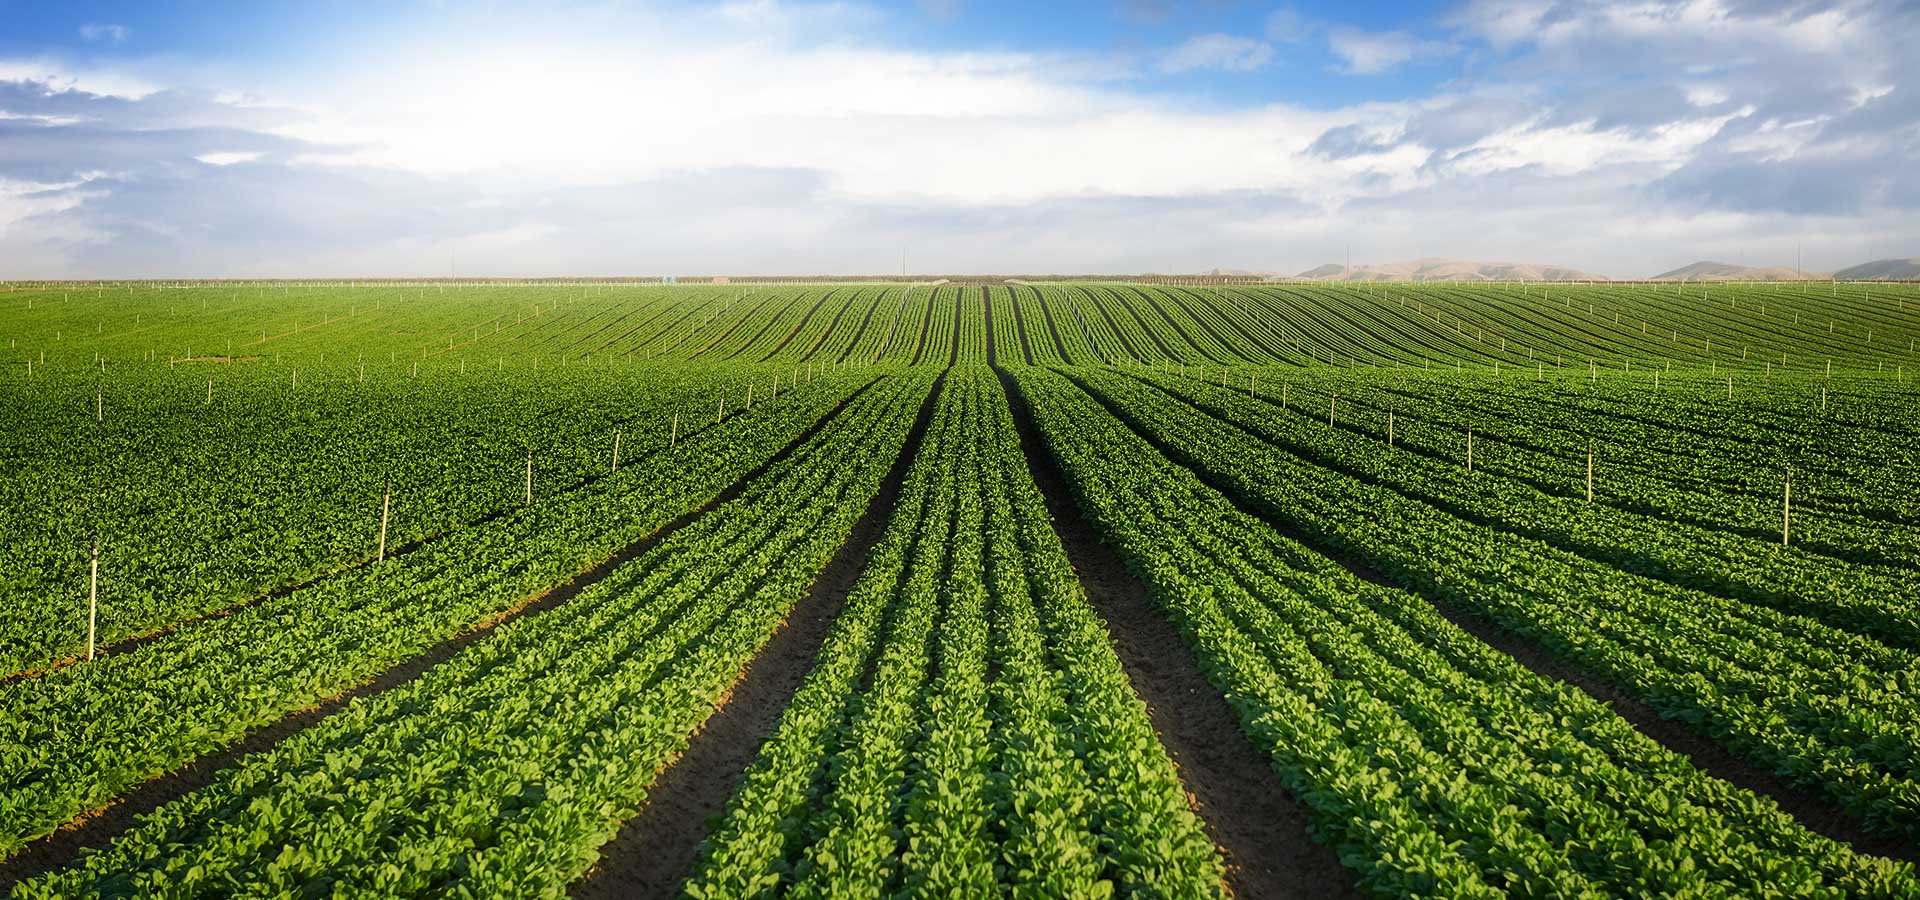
{"points": [[616, 450], [673, 437], [1589, 471], [1330, 402], [1469, 449], [1389, 427], [386, 506], [1786, 507], [93, 597], [99, 407], [529, 477]]}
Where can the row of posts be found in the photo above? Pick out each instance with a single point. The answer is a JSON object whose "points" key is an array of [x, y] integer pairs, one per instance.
{"points": [[1786, 502], [386, 508]]}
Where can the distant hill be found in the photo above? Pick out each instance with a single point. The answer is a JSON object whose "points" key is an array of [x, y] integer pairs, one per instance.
{"points": [[1438, 269], [1890, 269], [1708, 270]]}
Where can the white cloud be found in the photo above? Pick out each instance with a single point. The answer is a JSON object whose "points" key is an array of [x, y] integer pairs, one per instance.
{"points": [[1708, 95], [95, 32], [1723, 31], [59, 75], [768, 136], [1217, 51], [881, 122], [1373, 52], [1866, 93], [229, 157]]}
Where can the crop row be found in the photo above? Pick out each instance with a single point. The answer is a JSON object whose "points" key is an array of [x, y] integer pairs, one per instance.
{"points": [[498, 772], [79, 736], [1434, 764], [1871, 600], [1478, 326], [200, 505], [1744, 327], [1819, 704], [1690, 459], [967, 729]]}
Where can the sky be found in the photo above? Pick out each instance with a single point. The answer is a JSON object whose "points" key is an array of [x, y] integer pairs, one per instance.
{"points": [[415, 138]]}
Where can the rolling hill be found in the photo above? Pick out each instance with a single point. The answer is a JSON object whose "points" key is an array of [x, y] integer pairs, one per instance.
{"points": [[1882, 269], [1442, 269], [1708, 270]]}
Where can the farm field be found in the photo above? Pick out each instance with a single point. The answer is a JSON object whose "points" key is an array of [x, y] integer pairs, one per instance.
{"points": [[1077, 589]]}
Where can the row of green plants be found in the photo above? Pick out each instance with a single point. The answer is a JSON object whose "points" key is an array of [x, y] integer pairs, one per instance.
{"points": [[1433, 764], [1680, 455], [1744, 327], [1875, 600], [967, 729], [1687, 435], [500, 771], [78, 736], [203, 504], [1821, 705], [1476, 327], [1480, 325]]}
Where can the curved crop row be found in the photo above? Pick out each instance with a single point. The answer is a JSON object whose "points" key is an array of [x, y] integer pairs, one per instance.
{"points": [[1435, 764], [499, 772]]}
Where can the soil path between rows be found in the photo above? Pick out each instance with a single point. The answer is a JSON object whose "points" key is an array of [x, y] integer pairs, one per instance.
{"points": [[63, 847], [657, 849], [1258, 825]]}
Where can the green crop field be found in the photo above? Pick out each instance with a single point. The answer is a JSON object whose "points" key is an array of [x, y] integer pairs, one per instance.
{"points": [[1075, 589]]}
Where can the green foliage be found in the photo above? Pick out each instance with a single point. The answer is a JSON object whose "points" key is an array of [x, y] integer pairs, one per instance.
{"points": [[1434, 764], [967, 728], [498, 772]]}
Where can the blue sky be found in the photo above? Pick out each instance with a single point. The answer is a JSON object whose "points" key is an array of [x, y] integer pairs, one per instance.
{"points": [[335, 138]]}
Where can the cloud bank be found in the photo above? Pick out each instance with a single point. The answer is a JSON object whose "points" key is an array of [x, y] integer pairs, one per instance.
{"points": [[755, 138]]}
